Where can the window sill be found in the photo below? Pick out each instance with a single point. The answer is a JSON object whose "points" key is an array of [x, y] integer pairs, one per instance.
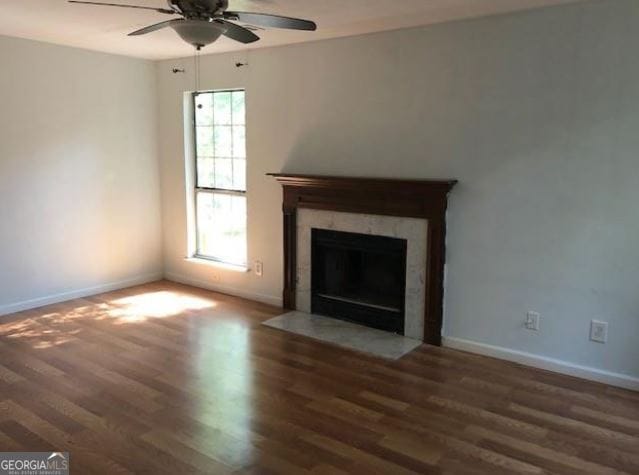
{"points": [[219, 265]]}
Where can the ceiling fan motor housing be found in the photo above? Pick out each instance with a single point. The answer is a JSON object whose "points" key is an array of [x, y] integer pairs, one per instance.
{"points": [[199, 9]]}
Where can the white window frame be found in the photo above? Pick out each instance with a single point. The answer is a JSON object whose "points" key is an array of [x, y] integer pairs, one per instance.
{"points": [[194, 187]]}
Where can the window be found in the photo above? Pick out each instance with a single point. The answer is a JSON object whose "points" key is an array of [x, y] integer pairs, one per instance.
{"points": [[220, 176]]}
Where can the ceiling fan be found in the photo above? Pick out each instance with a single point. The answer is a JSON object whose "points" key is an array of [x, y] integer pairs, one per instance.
{"points": [[204, 21]]}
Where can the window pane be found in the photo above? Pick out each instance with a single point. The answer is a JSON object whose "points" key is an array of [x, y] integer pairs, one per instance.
{"points": [[223, 141], [204, 109], [238, 107], [224, 173], [220, 134], [205, 172], [204, 141], [222, 227], [239, 174], [239, 141], [222, 108]]}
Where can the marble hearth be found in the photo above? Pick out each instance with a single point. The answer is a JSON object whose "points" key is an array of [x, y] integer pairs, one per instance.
{"points": [[345, 334]]}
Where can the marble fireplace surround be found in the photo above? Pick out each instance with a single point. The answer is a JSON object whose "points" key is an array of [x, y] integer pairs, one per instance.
{"points": [[413, 230], [414, 210]]}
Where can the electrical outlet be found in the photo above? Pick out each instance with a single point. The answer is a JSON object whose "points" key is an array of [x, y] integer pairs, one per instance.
{"points": [[598, 331], [532, 321], [259, 268]]}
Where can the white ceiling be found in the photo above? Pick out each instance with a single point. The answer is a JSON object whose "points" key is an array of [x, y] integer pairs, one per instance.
{"points": [[105, 28]]}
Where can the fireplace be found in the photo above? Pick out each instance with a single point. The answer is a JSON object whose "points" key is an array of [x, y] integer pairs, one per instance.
{"points": [[359, 278], [413, 210]]}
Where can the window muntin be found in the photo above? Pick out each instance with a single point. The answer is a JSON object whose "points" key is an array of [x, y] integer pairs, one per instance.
{"points": [[220, 175]]}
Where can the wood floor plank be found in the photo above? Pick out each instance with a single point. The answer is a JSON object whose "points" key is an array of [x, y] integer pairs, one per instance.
{"points": [[185, 454], [619, 439], [166, 378], [541, 452], [363, 460]]}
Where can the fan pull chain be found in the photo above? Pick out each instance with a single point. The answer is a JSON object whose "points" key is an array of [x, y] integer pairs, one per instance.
{"points": [[197, 70]]}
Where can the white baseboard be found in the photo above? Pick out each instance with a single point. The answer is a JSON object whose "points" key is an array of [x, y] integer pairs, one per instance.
{"points": [[267, 299], [76, 294], [543, 362]]}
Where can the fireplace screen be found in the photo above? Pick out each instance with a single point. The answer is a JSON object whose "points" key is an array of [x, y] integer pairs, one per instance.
{"points": [[360, 278]]}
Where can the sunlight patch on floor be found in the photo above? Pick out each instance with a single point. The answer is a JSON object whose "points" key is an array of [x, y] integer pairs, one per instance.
{"points": [[161, 304], [41, 335], [55, 328]]}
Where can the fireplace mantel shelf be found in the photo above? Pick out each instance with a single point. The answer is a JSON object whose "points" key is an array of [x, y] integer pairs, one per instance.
{"points": [[294, 179], [425, 199]]}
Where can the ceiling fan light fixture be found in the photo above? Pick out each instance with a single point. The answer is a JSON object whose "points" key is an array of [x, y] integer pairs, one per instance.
{"points": [[199, 33]]}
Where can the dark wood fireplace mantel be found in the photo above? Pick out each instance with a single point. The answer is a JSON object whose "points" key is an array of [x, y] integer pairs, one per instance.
{"points": [[426, 199]]}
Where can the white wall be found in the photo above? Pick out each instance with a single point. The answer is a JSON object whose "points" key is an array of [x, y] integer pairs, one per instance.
{"points": [[79, 179], [535, 113]]}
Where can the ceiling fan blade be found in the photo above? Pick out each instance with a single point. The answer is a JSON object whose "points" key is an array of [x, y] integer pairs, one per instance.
{"points": [[157, 26], [161, 10], [271, 21], [239, 33]]}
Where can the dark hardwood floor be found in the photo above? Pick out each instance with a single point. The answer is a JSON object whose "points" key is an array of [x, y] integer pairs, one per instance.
{"points": [[165, 378]]}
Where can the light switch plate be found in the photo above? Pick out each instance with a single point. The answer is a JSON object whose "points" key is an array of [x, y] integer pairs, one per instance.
{"points": [[598, 331]]}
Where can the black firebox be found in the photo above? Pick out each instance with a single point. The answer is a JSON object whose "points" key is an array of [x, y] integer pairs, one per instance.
{"points": [[360, 278]]}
